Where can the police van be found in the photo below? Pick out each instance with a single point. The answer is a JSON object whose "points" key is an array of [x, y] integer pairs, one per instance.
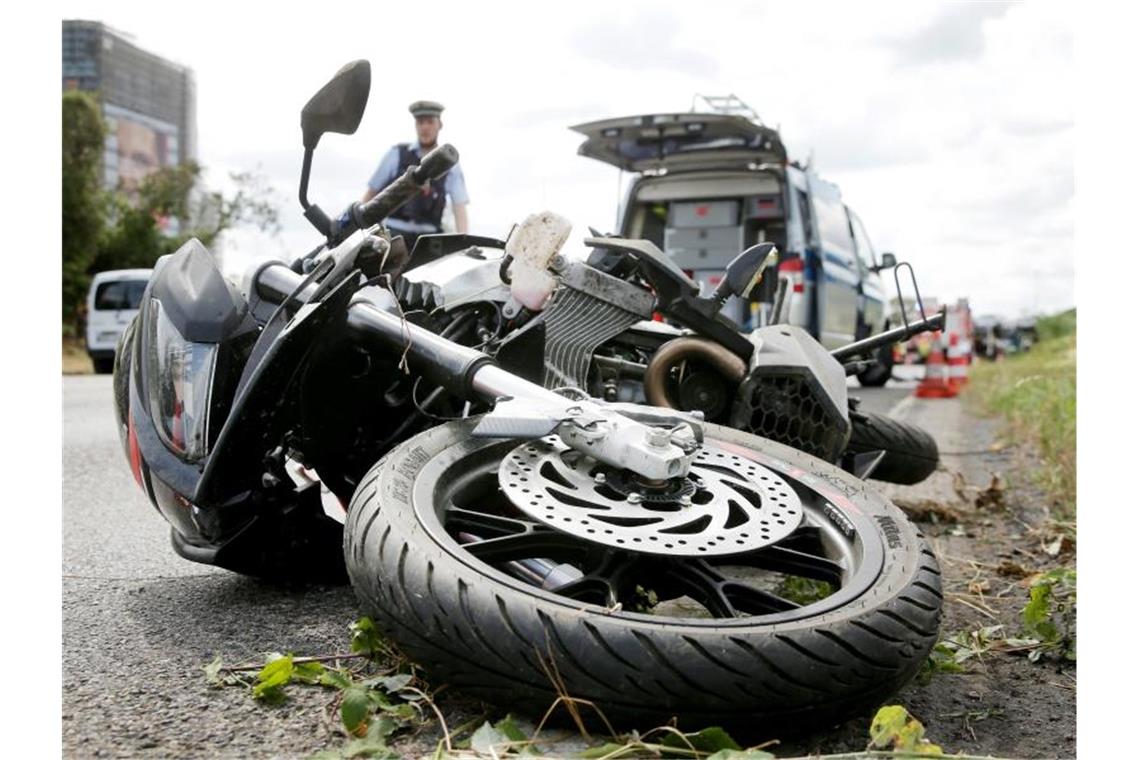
{"points": [[709, 185]]}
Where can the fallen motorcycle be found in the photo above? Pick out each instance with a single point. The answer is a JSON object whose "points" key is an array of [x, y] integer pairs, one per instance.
{"points": [[547, 542]]}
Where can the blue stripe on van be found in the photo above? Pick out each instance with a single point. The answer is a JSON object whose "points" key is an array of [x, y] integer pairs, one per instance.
{"points": [[835, 258]]}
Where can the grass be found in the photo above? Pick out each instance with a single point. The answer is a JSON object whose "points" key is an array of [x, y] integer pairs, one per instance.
{"points": [[1036, 393], [75, 358]]}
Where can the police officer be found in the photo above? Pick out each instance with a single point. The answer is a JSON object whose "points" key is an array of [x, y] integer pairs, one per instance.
{"points": [[424, 214]]}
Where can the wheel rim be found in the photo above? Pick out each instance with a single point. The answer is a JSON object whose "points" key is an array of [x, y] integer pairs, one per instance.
{"points": [[457, 498]]}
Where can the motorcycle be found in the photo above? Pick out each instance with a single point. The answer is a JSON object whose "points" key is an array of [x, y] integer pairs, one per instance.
{"points": [[545, 541]]}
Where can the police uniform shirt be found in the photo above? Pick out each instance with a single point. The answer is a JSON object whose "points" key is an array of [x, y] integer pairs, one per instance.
{"points": [[453, 185]]}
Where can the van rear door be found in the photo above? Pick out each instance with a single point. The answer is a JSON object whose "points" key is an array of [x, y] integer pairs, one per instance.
{"points": [[680, 142]]}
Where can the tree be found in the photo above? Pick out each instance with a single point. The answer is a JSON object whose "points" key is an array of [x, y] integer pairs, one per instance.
{"points": [[83, 202], [124, 230], [135, 238]]}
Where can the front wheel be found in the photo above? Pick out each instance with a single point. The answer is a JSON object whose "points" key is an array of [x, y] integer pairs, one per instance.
{"points": [[829, 604]]}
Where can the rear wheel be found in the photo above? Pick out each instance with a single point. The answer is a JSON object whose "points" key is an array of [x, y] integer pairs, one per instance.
{"points": [[834, 610], [910, 453]]}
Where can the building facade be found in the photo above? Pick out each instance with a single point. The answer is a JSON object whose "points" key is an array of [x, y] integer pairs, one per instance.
{"points": [[149, 103]]}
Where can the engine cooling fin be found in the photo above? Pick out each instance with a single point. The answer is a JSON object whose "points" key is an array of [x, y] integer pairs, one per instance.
{"points": [[576, 324]]}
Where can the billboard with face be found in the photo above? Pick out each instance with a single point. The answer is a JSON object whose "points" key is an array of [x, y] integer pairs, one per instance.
{"points": [[136, 146]]}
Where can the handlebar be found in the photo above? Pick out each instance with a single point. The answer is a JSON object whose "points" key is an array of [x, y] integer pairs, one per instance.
{"points": [[363, 215]]}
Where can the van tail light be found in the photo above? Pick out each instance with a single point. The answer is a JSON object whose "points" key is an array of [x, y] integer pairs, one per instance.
{"points": [[793, 269]]}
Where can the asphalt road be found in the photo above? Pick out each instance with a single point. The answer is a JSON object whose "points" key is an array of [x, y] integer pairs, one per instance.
{"points": [[139, 622]]}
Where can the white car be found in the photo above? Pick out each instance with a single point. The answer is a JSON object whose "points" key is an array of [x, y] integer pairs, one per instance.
{"points": [[112, 302]]}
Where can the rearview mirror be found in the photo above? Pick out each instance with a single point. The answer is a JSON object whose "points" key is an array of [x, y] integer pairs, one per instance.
{"points": [[743, 272], [339, 105], [888, 261]]}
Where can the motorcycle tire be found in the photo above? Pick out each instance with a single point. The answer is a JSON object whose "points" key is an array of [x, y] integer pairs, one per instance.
{"points": [[471, 625], [911, 453]]}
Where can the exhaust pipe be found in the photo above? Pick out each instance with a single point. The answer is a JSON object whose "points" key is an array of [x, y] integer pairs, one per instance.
{"points": [[728, 364]]}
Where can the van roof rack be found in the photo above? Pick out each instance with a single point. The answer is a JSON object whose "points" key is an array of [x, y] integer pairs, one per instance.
{"points": [[726, 104]]}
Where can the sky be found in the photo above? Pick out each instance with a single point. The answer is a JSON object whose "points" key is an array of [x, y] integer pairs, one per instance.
{"points": [[949, 127]]}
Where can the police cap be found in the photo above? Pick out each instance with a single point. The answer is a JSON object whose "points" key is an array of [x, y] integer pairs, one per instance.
{"points": [[426, 108]]}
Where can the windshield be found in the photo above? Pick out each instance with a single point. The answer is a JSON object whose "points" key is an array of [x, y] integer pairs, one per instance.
{"points": [[119, 294]]}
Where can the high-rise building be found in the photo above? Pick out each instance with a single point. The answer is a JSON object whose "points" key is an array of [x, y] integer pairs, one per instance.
{"points": [[149, 103]]}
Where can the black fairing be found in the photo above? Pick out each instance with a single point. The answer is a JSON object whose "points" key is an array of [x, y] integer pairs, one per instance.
{"points": [[197, 299], [205, 308]]}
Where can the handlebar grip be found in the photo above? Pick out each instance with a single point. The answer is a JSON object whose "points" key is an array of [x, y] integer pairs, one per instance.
{"points": [[437, 163], [404, 188]]}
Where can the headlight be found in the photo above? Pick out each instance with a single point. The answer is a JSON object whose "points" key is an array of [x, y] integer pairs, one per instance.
{"points": [[180, 377]]}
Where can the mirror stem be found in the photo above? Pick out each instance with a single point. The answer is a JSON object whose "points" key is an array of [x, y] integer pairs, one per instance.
{"points": [[306, 166], [313, 212]]}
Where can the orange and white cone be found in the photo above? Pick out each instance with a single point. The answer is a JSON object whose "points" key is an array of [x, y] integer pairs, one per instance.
{"points": [[936, 383], [960, 342], [958, 361]]}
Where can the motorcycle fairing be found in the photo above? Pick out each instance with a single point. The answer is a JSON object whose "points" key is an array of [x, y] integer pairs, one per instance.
{"points": [[211, 500]]}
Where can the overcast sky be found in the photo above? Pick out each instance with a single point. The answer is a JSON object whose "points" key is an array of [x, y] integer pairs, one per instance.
{"points": [[948, 126]]}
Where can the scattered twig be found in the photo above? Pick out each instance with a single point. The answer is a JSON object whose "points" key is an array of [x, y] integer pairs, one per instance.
{"points": [[438, 714], [990, 614]]}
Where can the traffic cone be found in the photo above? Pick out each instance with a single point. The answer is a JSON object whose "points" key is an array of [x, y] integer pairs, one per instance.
{"points": [[936, 383], [960, 343], [958, 362]]}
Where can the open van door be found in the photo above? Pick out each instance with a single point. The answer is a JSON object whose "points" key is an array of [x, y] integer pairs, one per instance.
{"points": [[681, 142]]}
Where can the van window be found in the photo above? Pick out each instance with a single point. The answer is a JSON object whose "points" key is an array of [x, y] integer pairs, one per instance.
{"points": [[805, 216], [119, 294], [834, 231], [862, 242]]}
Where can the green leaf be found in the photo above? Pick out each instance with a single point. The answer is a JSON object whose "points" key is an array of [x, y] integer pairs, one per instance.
{"points": [[1038, 608], [378, 698], [509, 729], [402, 711], [382, 727], [486, 737], [212, 671], [369, 748], [887, 724], [389, 684], [894, 728], [271, 678], [354, 708], [308, 672], [744, 754], [910, 736], [709, 739], [374, 742], [365, 638], [336, 678]]}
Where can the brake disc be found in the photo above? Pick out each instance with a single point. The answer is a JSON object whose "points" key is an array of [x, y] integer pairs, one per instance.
{"points": [[725, 505]]}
